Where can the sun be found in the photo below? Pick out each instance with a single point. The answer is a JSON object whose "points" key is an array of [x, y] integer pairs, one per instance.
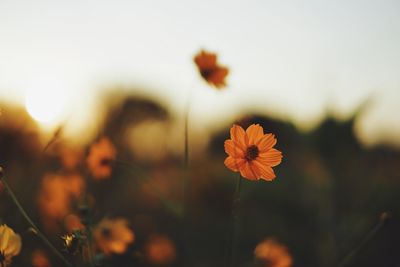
{"points": [[47, 102]]}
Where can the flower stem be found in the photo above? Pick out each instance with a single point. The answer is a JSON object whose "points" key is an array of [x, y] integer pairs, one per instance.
{"points": [[186, 186], [349, 256], [230, 260], [31, 223]]}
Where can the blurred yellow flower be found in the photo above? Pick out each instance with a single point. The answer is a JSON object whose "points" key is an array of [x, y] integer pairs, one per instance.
{"points": [[10, 244], [251, 153], [160, 250], [270, 253], [101, 156], [113, 235], [213, 73]]}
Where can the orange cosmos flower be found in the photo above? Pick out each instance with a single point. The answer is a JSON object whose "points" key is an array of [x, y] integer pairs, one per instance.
{"points": [[101, 156], [113, 235], [250, 152], [213, 73], [272, 254]]}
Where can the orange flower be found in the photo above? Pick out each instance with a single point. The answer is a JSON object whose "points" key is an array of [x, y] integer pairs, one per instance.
{"points": [[10, 244], [40, 259], [160, 250], [272, 254], [251, 153], [113, 235], [56, 195], [213, 73], [101, 156]]}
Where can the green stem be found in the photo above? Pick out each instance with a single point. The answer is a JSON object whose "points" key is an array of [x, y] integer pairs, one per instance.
{"points": [[31, 223], [235, 216], [350, 255]]}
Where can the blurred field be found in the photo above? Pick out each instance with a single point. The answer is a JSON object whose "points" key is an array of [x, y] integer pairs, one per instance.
{"points": [[330, 191]]}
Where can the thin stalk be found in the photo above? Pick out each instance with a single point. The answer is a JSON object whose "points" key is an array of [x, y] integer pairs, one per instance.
{"points": [[186, 182], [186, 187], [350, 255], [31, 223], [230, 260]]}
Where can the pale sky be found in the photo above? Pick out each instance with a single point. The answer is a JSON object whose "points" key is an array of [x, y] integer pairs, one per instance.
{"points": [[293, 59]]}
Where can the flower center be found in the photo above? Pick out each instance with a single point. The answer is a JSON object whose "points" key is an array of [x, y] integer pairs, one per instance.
{"points": [[106, 233], [252, 153], [206, 73], [106, 162]]}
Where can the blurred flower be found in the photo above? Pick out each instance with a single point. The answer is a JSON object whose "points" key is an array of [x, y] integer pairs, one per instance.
{"points": [[213, 73], [40, 259], [10, 244], [113, 235], [71, 157], [56, 194], [101, 156], [160, 250], [272, 254], [251, 152], [72, 222]]}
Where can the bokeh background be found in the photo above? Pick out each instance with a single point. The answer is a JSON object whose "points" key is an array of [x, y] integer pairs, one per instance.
{"points": [[322, 76]]}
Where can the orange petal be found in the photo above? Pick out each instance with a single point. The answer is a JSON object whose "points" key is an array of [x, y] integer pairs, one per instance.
{"points": [[238, 135], [232, 149], [249, 171], [234, 164], [217, 78], [271, 157], [266, 142], [254, 133], [267, 173], [205, 60]]}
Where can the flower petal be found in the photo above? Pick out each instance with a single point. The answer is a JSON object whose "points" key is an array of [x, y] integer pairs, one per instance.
{"points": [[270, 157], [249, 171], [217, 77], [267, 173], [254, 133], [235, 164], [14, 245], [234, 150], [238, 135], [266, 142]]}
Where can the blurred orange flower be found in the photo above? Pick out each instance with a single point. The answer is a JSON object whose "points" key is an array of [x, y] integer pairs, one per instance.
{"points": [[71, 157], [101, 157], [272, 254], [250, 152], [113, 235], [40, 259], [56, 194], [10, 244], [213, 73], [160, 250]]}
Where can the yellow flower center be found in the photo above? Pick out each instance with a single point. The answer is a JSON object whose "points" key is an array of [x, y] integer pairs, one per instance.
{"points": [[252, 153]]}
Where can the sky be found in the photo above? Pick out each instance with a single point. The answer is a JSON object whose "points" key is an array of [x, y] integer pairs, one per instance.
{"points": [[295, 60]]}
